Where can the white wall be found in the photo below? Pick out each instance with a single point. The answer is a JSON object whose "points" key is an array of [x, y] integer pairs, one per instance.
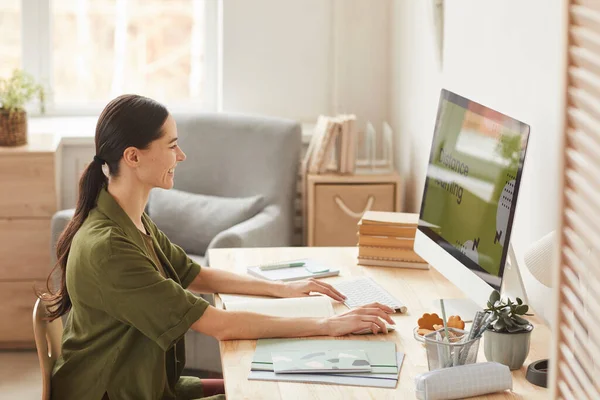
{"points": [[302, 58], [506, 55]]}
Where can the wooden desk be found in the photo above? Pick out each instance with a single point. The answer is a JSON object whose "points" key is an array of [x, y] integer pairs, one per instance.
{"points": [[416, 288]]}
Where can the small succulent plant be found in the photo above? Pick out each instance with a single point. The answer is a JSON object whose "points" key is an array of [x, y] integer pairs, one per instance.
{"points": [[506, 315]]}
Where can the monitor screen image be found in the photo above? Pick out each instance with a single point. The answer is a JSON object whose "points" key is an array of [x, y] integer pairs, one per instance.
{"points": [[472, 184]]}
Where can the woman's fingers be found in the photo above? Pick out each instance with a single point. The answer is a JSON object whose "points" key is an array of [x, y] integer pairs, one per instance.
{"points": [[374, 329], [375, 311], [383, 307], [327, 289], [337, 293], [318, 287], [377, 321]]}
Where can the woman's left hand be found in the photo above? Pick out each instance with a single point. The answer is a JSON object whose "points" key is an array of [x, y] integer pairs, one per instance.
{"points": [[305, 287]]}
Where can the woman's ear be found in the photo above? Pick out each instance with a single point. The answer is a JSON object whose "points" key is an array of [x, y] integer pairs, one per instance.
{"points": [[131, 157]]}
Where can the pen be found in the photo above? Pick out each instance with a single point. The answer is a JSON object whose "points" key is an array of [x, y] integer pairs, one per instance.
{"points": [[281, 266]]}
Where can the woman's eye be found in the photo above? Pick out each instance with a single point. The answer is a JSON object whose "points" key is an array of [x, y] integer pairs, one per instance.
{"points": [[173, 146]]}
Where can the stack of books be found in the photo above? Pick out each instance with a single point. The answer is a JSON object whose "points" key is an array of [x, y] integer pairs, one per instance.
{"points": [[387, 239], [332, 148]]}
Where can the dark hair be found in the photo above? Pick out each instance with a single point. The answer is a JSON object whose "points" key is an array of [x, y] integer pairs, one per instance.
{"points": [[127, 121]]}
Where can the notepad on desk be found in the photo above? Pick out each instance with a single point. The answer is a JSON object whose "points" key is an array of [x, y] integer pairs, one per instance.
{"points": [[322, 362], [385, 362], [311, 306], [293, 270]]}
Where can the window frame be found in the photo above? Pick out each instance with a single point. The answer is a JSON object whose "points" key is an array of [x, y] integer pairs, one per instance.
{"points": [[36, 56]]}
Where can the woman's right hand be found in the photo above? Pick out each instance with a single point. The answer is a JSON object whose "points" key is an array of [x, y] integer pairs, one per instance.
{"points": [[371, 317]]}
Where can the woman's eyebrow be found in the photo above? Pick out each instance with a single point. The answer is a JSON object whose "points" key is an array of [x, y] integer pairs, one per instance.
{"points": [[173, 140]]}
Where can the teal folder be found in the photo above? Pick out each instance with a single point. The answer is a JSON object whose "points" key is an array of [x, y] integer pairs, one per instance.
{"points": [[382, 355]]}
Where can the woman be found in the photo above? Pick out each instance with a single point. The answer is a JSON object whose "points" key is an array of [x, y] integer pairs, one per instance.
{"points": [[124, 282]]}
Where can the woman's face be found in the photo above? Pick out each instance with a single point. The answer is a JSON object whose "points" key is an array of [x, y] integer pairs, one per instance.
{"points": [[157, 168]]}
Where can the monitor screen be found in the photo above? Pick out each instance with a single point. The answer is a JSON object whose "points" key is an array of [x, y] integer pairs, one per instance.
{"points": [[472, 184]]}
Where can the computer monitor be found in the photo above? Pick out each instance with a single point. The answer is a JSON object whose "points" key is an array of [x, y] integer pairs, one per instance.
{"points": [[469, 199]]}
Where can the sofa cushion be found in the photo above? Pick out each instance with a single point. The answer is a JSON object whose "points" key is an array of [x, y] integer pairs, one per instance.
{"points": [[192, 220]]}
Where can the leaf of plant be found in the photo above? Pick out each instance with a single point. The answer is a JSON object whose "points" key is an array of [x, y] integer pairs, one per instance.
{"points": [[519, 301], [494, 297], [499, 325], [513, 328], [520, 321], [522, 309], [508, 322]]}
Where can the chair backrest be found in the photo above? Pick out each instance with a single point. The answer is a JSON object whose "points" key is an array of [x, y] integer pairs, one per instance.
{"points": [[48, 338], [233, 155]]}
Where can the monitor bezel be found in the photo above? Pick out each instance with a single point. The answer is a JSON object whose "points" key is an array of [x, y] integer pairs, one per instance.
{"points": [[524, 130]]}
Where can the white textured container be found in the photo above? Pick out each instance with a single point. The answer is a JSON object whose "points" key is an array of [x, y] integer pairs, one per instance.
{"points": [[510, 349]]}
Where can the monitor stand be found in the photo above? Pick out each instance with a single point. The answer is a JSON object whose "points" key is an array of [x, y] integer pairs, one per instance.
{"points": [[512, 286]]}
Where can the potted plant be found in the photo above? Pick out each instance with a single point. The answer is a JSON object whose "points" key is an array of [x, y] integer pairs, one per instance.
{"points": [[15, 92], [508, 336]]}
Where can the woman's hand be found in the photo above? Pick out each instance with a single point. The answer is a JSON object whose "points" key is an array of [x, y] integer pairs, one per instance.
{"points": [[303, 288], [371, 317]]}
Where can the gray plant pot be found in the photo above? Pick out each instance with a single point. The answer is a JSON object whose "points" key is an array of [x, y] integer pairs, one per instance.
{"points": [[510, 349]]}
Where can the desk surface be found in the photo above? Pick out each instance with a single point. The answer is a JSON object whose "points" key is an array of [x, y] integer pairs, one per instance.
{"points": [[416, 288]]}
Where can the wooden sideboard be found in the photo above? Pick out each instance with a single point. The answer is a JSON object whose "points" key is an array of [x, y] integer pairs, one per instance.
{"points": [[29, 196]]}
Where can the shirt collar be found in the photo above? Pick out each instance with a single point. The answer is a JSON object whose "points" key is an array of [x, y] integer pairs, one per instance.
{"points": [[108, 206]]}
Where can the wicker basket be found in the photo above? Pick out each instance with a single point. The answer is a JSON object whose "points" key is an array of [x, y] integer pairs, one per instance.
{"points": [[13, 128]]}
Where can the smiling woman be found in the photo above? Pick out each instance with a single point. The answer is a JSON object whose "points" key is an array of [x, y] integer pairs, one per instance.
{"points": [[124, 283]]}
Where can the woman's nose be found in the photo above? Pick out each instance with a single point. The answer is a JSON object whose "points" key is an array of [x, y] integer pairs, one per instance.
{"points": [[181, 156]]}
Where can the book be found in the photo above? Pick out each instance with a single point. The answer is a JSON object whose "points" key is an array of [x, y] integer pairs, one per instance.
{"points": [[375, 262], [324, 130], [387, 230], [390, 218], [350, 379], [328, 145], [344, 136], [352, 138], [312, 362], [388, 253], [311, 306], [311, 269], [386, 241], [381, 354]]}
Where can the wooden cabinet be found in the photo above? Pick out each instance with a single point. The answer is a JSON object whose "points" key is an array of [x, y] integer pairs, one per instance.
{"points": [[335, 204], [28, 198]]}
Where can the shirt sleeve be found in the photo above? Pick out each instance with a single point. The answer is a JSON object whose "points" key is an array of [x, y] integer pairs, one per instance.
{"points": [[186, 268], [135, 293]]}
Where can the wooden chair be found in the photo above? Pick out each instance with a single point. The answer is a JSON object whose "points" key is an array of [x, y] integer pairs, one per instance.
{"points": [[48, 338]]}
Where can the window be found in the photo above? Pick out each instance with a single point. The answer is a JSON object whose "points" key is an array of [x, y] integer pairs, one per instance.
{"points": [[88, 52], [10, 36]]}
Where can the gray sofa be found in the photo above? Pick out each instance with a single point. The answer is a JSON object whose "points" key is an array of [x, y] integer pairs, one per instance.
{"points": [[232, 155]]}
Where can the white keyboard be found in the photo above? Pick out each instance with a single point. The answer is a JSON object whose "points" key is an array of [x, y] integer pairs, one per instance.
{"points": [[363, 291]]}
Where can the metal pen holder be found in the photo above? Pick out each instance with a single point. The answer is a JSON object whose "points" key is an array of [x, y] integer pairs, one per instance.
{"points": [[451, 353]]}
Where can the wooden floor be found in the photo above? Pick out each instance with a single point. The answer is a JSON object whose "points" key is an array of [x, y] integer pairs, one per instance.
{"points": [[20, 375]]}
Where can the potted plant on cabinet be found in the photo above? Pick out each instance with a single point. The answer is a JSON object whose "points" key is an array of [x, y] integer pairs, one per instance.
{"points": [[508, 336], [15, 92]]}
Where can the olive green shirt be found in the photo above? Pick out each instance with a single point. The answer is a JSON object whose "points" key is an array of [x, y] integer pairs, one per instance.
{"points": [[124, 333]]}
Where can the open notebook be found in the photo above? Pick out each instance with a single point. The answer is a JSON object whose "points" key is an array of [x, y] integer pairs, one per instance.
{"points": [[316, 306], [311, 306]]}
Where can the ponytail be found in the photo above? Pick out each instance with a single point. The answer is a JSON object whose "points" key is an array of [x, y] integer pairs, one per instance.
{"points": [[90, 184]]}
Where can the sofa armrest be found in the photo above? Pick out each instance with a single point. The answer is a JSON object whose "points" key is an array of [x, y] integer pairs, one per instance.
{"points": [[265, 229], [59, 222]]}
